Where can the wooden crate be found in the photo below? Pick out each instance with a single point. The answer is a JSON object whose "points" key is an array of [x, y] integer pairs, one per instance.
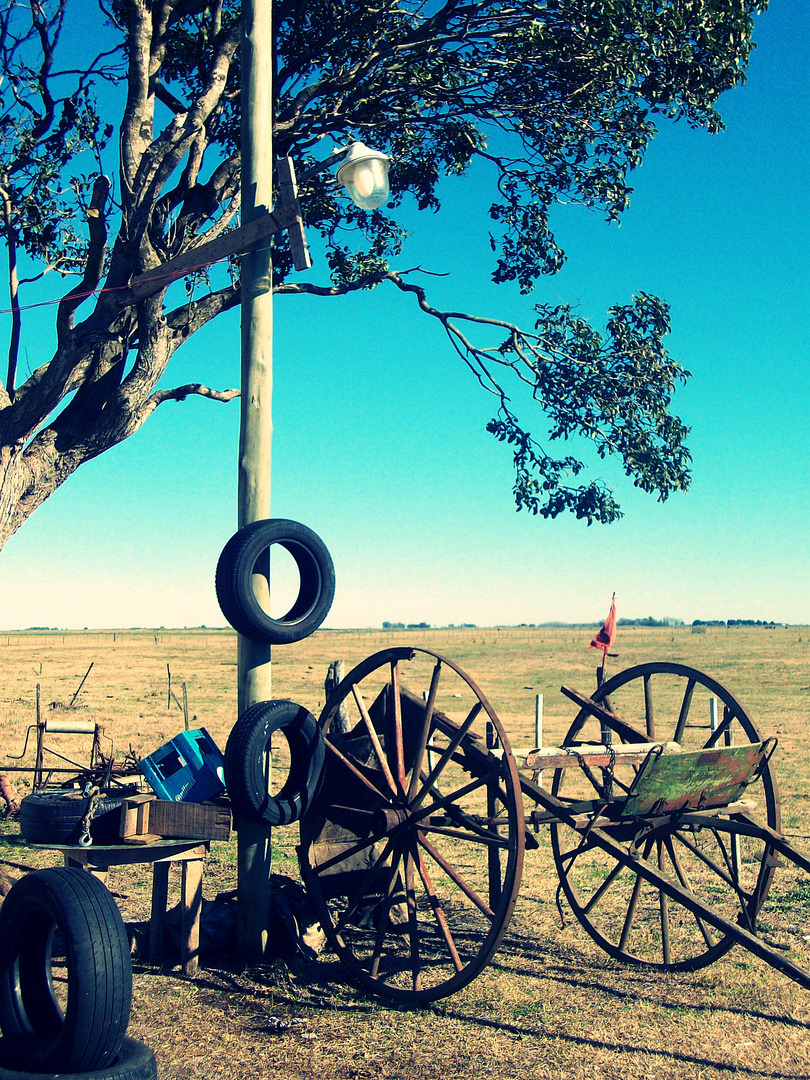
{"points": [[145, 818]]}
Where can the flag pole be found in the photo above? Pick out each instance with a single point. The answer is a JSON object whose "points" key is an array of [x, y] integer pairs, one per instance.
{"points": [[604, 640]]}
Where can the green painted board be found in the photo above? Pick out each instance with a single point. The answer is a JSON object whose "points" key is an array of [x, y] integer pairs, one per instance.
{"points": [[696, 780]]}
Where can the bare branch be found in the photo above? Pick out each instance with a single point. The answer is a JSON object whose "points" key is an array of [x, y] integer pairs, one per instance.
{"points": [[14, 297], [180, 393], [94, 264]]}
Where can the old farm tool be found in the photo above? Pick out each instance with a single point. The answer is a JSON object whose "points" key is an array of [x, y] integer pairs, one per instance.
{"points": [[662, 807]]}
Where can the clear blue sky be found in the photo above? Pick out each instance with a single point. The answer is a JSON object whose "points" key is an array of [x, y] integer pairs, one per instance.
{"points": [[379, 438]]}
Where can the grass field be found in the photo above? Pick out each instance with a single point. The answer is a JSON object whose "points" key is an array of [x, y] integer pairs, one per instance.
{"points": [[552, 1004]]}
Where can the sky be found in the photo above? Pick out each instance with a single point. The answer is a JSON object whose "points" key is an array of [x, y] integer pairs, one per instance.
{"points": [[379, 430]]}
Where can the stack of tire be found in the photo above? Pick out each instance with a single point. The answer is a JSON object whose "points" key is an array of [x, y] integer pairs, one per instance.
{"points": [[246, 554], [66, 983]]}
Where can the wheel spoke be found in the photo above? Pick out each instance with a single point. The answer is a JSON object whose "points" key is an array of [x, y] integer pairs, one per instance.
{"points": [[385, 915], [492, 841], [453, 874], [424, 734], [375, 740], [354, 903], [399, 746], [684, 880], [439, 915], [649, 712], [344, 761], [443, 801], [451, 803], [663, 903], [722, 729], [447, 754], [726, 873], [603, 888], [413, 923], [683, 715], [631, 910], [361, 845], [586, 844]]}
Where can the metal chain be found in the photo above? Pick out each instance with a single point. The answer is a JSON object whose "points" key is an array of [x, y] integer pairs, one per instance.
{"points": [[93, 792], [605, 790]]}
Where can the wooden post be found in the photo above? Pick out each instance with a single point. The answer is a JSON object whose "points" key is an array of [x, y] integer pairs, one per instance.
{"points": [[538, 732], [334, 676], [256, 429], [81, 684]]}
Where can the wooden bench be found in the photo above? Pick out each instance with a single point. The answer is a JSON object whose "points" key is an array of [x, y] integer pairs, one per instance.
{"points": [[162, 854]]}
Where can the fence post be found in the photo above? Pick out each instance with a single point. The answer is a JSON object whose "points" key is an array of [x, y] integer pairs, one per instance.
{"points": [[713, 714], [334, 676]]}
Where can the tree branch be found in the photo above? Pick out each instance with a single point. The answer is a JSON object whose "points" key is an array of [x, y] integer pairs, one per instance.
{"points": [[180, 393], [94, 263], [14, 297]]}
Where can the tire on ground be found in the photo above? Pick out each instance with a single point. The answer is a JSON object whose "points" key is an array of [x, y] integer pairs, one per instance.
{"points": [[134, 1061], [246, 755], [62, 937], [55, 817], [234, 581]]}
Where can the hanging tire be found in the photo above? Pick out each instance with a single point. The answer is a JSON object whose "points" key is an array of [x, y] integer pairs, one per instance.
{"points": [[65, 973], [55, 817], [234, 581], [247, 754], [134, 1061]]}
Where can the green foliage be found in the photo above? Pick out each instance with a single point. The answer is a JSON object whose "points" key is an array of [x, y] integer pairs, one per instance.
{"points": [[560, 100], [615, 390], [555, 101], [44, 134]]}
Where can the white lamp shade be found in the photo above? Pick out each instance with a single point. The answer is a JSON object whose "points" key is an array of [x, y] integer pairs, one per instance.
{"points": [[364, 174]]}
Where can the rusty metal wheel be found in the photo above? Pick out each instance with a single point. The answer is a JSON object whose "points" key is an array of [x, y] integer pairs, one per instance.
{"points": [[629, 918], [413, 850]]}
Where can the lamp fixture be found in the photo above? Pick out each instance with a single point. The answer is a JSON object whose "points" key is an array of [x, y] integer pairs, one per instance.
{"points": [[364, 174]]}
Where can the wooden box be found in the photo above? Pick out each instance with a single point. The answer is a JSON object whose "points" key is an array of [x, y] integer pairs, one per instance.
{"points": [[145, 818]]}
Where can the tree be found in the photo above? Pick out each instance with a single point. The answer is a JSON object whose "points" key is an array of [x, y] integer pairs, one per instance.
{"points": [[559, 100]]}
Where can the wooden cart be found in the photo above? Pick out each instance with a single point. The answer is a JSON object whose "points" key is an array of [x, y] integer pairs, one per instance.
{"points": [[662, 809]]}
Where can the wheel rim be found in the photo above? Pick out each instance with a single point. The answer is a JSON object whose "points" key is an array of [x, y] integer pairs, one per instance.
{"points": [[414, 848], [629, 918]]}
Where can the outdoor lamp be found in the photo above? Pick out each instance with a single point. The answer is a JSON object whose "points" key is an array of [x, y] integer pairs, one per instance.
{"points": [[364, 174]]}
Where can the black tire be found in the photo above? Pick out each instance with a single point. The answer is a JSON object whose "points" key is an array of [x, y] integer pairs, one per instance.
{"points": [[134, 1061], [234, 583], [55, 817], [246, 756], [61, 934]]}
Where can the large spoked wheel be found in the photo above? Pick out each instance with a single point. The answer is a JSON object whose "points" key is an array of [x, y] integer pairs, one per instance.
{"points": [[631, 919], [413, 850]]}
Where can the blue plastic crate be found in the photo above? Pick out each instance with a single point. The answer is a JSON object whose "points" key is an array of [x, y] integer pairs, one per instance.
{"points": [[188, 768]]}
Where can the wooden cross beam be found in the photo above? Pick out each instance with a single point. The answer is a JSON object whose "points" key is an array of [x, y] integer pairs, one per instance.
{"points": [[286, 216]]}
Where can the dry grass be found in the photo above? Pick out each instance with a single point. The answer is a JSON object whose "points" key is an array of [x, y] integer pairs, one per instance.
{"points": [[551, 1005]]}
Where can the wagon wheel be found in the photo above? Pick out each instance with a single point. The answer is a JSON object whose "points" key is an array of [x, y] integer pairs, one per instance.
{"points": [[413, 850], [629, 918]]}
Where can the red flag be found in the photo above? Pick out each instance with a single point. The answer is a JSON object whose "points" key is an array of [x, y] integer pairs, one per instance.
{"points": [[607, 635]]}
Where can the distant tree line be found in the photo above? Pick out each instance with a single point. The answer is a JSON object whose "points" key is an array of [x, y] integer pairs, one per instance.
{"points": [[734, 622], [666, 621], [650, 621]]}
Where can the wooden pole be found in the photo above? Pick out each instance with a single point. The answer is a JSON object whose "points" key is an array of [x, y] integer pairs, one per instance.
{"points": [[334, 676], [256, 430]]}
